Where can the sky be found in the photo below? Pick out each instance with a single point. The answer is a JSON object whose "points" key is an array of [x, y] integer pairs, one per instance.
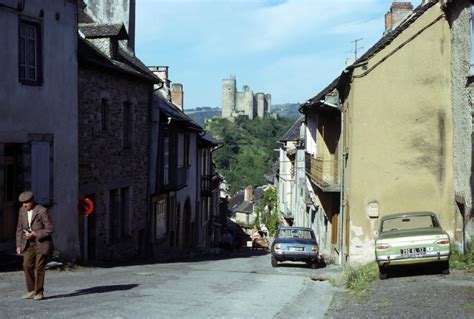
{"points": [[291, 49]]}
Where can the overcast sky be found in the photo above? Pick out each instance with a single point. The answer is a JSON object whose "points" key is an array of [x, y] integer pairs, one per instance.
{"points": [[291, 49]]}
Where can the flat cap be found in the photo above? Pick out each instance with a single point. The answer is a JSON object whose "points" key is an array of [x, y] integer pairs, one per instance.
{"points": [[25, 197]]}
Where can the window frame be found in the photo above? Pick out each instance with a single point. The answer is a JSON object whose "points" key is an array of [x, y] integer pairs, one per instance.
{"points": [[38, 25]]}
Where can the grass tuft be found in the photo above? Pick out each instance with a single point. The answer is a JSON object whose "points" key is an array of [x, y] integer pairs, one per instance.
{"points": [[462, 261], [358, 277]]}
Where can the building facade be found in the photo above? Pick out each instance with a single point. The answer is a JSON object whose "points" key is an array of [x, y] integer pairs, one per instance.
{"points": [[115, 91], [38, 126], [398, 122]]}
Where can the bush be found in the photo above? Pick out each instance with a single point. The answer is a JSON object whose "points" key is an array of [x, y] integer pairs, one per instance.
{"points": [[358, 277]]}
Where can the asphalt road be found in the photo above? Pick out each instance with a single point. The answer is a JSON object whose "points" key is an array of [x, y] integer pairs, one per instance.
{"points": [[244, 286], [412, 293]]}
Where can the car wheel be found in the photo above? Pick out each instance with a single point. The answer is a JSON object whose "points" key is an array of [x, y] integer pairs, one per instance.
{"points": [[445, 267], [383, 274], [274, 262]]}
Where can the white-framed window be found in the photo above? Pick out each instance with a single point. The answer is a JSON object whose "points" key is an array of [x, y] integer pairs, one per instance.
{"points": [[29, 52], [41, 172]]}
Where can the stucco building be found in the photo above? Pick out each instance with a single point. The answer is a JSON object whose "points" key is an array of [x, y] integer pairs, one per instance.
{"points": [[38, 122], [396, 129], [244, 103]]}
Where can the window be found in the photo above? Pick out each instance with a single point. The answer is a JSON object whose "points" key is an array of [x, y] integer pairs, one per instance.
{"points": [[29, 53], [127, 125], [187, 160], [104, 114], [41, 171], [161, 223], [166, 157], [119, 212]]}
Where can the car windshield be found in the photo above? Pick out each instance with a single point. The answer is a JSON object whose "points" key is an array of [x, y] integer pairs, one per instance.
{"points": [[295, 233], [407, 222]]}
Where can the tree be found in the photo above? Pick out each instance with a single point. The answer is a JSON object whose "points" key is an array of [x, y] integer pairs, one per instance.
{"points": [[267, 212]]}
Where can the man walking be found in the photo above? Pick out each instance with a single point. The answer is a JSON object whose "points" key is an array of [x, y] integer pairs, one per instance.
{"points": [[33, 240]]}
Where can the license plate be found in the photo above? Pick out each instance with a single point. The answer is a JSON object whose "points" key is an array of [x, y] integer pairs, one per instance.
{"points": [[295, 248], [413, 251]]}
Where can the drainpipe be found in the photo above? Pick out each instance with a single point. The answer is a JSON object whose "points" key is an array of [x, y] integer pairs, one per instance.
{"points": [[338, 106]]}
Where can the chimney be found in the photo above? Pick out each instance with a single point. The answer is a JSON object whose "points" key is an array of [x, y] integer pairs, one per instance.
{"points": [[248, 194], [398, 12], [162, 73], [177, 95]]}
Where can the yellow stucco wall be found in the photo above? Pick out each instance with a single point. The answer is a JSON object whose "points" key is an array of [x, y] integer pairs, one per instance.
{"points": [[400, 134]]}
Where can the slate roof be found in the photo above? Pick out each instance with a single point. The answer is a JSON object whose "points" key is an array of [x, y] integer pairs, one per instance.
{"points": [[87, 53], [235, 201], [209, 139], [293, 134], [176, 114], [377, 47], [100, 30]]}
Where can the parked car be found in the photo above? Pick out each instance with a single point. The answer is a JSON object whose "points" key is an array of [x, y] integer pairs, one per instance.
{"points": [[411, 238], [260, 243], [295, 244]]}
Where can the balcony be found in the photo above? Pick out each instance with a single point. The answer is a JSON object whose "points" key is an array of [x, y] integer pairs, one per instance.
{"points": [[323, 172], [209, 184], [177, 179]]}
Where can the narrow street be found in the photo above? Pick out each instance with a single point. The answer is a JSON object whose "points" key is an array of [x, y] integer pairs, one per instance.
{"points": [[235, 287]]}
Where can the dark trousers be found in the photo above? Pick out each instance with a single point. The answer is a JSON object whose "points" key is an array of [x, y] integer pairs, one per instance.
{"points": [[34, 266]]}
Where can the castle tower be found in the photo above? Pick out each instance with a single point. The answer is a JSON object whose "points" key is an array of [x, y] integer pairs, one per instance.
{"points": [[260, 97], [268, 103], [229, 88]]}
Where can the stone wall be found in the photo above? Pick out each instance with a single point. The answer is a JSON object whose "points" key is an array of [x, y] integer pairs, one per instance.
{"points": [[105, 163], [459, 16]]}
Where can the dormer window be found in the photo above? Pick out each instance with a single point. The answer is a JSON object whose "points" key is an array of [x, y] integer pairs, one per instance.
{"points": [[105, 37]]}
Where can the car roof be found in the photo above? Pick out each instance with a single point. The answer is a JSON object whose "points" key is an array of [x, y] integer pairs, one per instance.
{"points": [[407, 214]]}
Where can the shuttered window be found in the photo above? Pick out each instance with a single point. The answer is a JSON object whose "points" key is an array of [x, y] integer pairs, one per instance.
{"points": [[41, 171]]}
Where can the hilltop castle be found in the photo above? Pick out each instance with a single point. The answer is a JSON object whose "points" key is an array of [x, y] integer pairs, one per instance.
{"points": [[235, 104]]}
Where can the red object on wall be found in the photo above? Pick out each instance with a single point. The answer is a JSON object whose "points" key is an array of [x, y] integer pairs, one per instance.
{"points": [[85, 206]]}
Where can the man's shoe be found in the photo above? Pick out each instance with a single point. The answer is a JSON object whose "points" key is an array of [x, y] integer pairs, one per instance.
{"points": [[28, 295], [39, 296]]}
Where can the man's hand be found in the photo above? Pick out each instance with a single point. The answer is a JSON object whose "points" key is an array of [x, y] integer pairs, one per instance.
{"points": [[18, 250], [30, 235]]}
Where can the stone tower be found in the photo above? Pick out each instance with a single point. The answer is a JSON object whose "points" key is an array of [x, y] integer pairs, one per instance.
{"points": [[243, 103], [229, 89], [113, 12]]}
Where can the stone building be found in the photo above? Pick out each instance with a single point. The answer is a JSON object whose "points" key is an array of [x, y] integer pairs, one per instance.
{"points": [[183, 183], [245, 103], [115, 91], [38, 122]]}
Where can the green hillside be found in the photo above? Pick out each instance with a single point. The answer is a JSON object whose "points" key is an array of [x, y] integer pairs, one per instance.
{"points": [[247, 155]]}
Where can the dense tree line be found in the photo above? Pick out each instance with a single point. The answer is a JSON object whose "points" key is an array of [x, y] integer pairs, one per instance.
{"points": [[248, 151]]}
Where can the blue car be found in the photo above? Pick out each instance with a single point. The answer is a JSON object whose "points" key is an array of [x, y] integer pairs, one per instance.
{"points": [[295, 244]]}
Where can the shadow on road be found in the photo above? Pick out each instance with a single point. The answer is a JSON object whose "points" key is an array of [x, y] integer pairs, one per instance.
{"points": [[95, 290], [414, 270]]}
